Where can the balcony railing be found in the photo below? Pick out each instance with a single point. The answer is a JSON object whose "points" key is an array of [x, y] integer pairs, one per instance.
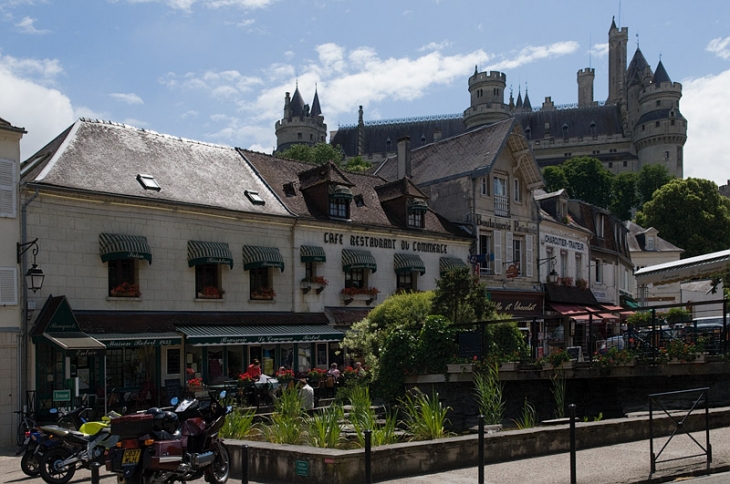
{"points": [[501, 206]]}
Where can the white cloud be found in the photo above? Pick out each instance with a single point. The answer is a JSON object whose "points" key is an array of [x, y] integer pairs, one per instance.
{"points": [[246, 22], [187, 5], [26, 26], [435, 46], [599, 50], [719, 47], [128, 98], [38, 70], [705, 104], [533, 53]]}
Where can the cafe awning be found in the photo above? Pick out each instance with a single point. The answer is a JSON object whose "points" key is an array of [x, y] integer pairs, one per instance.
{"points": [[126, 340], [405, 263], [260, 334], [118, 246], [358, 259], [312, 253], [447, 264], [75, 342], [699, 267], [200, 252], [255, 257]]}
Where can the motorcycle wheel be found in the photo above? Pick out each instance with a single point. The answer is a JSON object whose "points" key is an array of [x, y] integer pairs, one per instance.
{"points": [[218, 471], [50, 466], [30, 464]]}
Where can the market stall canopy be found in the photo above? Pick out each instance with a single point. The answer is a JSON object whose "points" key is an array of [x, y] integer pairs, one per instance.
{"points": [[255, 257], [312, 253], [200, 252], [358, 259], [702, 266], [264, 334], [447, 264], [118, 246], [405, 263]]}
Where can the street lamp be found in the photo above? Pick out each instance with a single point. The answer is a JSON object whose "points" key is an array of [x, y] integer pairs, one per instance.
{"points": [[552, 275], [34, 277]]}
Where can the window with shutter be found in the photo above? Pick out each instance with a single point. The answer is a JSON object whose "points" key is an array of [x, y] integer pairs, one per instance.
{"points": [[8, 188], [8, 286]]}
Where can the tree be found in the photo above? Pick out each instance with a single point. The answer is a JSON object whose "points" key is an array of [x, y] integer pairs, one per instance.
{"points": [[358, 165], [588, 180], [624, 195], [318, 154], [554, 178], [651, 178], [461, 297], [691, 214]]}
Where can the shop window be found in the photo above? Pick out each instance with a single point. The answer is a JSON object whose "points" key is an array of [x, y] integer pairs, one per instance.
{"points": [[355, 278], [123, 278], [215, 366], [173, 361], [193, 362], [235, 361], [304, 357], [260, 280], [207, 281]]}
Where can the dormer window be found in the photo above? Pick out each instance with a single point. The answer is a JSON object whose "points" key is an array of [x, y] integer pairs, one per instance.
{"points": [[416, 210], [254, 197], [148, 182], [650, 243], [289, 189], [340, 197], [359, 200]]}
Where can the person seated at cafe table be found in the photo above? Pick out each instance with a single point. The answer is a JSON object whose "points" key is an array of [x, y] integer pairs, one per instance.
{"points": [[254, 369], [334, 372]]}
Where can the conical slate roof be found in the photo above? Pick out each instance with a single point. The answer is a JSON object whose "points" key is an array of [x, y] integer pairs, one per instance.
{"points": [[637, 67], [297, 103], [316, 109], [660, 75], [526, 105]]}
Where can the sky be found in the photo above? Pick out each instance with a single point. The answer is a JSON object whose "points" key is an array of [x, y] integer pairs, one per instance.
{"points": [[218, 70]]}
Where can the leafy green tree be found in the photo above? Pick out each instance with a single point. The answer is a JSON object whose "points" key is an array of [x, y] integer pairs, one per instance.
{"points": [[318, 154], [504, 341], [588, 180], [554, 178], [650, 179], [691, 214], [624, 195], [461, 297], [397, 356], [436, 345], [358, 165]]}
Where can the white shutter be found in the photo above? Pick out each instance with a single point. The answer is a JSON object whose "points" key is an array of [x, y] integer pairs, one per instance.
{"points": [[497, 252], [509, 249], [8, 285], [8, 188], [528, 254]]}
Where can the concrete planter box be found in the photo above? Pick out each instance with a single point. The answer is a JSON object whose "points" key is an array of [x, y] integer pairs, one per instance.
{"points": [[459, 367]]}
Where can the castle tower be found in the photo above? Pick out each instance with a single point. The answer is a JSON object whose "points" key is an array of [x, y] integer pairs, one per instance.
{"points": [[638, 77], [300, 124], [585, 86], [660, 130], [487, 99], [617, 41]]}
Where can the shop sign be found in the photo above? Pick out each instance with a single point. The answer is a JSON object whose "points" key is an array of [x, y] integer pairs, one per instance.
{"points": [[518, 304], [564, 243], [61, 395], [141, 342], [385, 243], [512, 271]]}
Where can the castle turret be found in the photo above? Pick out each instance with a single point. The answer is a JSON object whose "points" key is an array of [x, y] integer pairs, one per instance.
{"points": [[300, 124], [487, 99], [638, 76], [585, 86], [660, 131], [617, 41]]}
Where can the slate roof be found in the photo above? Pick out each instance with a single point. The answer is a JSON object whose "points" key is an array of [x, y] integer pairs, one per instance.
{"points": [[636, 69], [584, 121], [660, 75], [297, 104], [316, 108], [104, 158], [286, 178], [659, 114], [636, 240]]}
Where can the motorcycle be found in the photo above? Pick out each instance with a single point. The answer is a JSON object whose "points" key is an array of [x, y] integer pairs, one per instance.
{"points": [[162, 446], [78, 448]]}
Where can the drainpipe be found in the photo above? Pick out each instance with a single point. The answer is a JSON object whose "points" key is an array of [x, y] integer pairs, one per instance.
{"points": [[25, 315]]}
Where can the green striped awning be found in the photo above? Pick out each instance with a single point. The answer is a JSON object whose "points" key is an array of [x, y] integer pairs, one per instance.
{"points": [[255, 257], [259, 334], [341, 191], [449, 263], [312, 253], [116, 246], [358, 259], [208, 253], [405, 263], [418, 205]]}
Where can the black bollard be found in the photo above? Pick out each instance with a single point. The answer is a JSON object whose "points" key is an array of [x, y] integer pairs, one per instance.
{"points": [[571, 412], [95, 472], [368, 449], [481, 449], [244, 464]]}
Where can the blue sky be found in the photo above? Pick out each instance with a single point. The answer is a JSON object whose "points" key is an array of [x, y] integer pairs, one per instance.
{"points": [[217, 70]]}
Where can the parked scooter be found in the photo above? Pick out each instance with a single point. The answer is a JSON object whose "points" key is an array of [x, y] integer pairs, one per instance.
{"points": [[159, 446]]}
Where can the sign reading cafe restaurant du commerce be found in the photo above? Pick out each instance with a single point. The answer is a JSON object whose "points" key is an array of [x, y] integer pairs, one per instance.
{"points": [[384, 243]]}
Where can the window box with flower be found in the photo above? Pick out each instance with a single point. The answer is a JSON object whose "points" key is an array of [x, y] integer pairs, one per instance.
{"points": [[367, 294], [284, 376], [126, 289], [211, 292], [245, 380], [195, 385], [316, 282], [263, 294], [316, 374]]}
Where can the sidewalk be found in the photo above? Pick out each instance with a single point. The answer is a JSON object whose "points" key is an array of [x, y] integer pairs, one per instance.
{"points": [[617, 464]]}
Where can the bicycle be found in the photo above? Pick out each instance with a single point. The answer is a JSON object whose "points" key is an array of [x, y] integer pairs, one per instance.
{"points": [[25, 424]]}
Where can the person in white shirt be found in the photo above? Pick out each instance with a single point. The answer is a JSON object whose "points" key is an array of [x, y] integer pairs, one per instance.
{"points": [[306, 394]]}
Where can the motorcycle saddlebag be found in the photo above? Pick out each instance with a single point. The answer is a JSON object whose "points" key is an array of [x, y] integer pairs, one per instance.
{"points": [[167, 455], [131, 426]]}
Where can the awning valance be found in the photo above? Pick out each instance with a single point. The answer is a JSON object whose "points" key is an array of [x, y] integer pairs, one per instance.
{"points": [[358, 259], [209, 253], [260, 334], [81, 343], [117, 246], [124, 340], [341, 191], [312, 253], [405, 263], [447, 264], [418, 205], [255, 257]]}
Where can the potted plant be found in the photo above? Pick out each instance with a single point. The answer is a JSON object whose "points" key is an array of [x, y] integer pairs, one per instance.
{"points": [[264, 294], [557, 358], [244, 380], [284, 376], [195, 384], [566, 281], [678, 315], [319, 282], [581, 284], [316, 374], [211, 292], [126, 289]]}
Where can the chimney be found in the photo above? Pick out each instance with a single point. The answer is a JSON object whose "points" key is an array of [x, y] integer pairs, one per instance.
{"points": [[548, 104], [436, 135], [404, 157]]}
